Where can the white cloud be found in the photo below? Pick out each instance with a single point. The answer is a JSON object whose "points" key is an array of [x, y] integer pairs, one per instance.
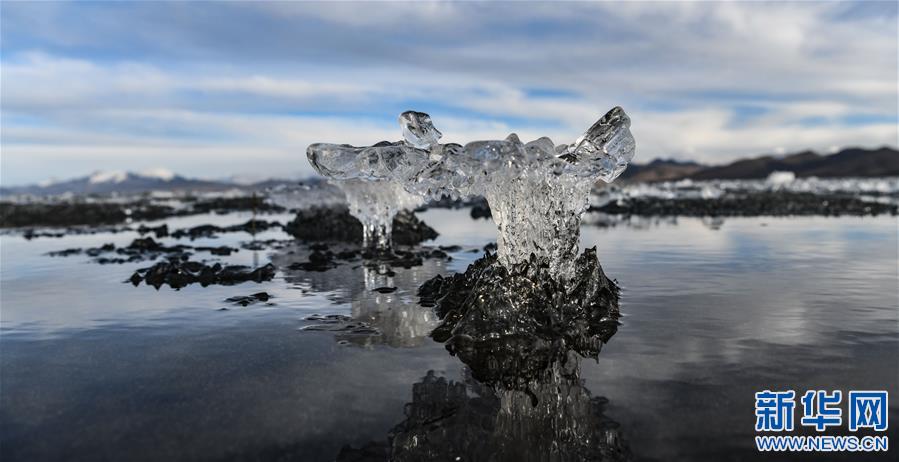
{"points": [[181, 90]]}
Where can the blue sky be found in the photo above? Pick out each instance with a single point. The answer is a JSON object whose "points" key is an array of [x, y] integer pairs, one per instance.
{"points": [[241, 88]]}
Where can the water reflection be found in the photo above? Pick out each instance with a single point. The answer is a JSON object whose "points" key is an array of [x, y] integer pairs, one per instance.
{"points": [[383, 307], [517, 400], [521, 396]]}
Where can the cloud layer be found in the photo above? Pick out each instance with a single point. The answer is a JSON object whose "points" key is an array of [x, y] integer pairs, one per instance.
{"points": [[241, 88]]}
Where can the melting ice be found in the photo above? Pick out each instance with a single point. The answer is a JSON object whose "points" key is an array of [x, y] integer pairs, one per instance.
{"points": [[537, 191]]}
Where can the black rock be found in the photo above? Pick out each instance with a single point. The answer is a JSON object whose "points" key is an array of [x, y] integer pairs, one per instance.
{"points": [[336, 224], [65, 252], [490, 312], [750, 204], [160, 231], [480, 210], [179, 273], [78, 213], [220, 251], [385, 290], [246, 300]]}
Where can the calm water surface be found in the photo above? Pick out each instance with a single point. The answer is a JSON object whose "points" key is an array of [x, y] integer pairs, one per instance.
{"points": [[92, 368]]}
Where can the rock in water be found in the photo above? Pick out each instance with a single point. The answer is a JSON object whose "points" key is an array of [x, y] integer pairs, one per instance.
{"points": [[177, 274], [336, 224], [491, 307]]}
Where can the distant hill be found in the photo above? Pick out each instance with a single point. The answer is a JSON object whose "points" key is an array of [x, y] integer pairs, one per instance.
{"points": [[106, 182], [661, 170], [850, 162]]}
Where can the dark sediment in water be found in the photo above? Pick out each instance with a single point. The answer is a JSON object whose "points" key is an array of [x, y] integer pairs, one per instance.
{"points": [[159, 231], [322, 256], [221, 205], [78, 213], [141, 249], [771, 203], [178, 274], [336, 224], [251, 227], [246, 300], [74, 213]]}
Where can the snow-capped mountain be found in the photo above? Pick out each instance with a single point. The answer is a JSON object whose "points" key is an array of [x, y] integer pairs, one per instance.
{"points": [[105, 182]]}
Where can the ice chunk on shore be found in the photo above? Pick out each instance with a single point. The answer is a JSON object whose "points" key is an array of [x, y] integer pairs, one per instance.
{"points": [[537, 191]]}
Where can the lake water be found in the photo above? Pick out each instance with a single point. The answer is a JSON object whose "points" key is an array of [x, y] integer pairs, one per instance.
{"points": [[92, 368]]}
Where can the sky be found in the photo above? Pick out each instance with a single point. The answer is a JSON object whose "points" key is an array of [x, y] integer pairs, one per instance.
{"points": [[221, 89]]}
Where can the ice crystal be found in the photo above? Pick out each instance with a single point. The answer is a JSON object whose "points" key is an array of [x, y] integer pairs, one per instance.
{"points": [[375, 204], [537, 190]]}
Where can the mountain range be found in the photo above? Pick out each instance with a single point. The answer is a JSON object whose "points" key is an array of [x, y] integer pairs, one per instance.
{"points": [[106, 182], [850, 162]]}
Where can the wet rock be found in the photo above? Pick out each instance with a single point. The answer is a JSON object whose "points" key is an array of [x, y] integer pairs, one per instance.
{"points": [[197, 232], [222, 251], [766, 203], [317, 261], [205, 231], [266, 244], [141, 249], [398, 258], [336, 224], [65, 252], [78, 213], [179, 273], [32, 234], [480, 210], [159, 231], [491, 311], [409, 230], [222, 205], [384, 290], [97, 251], [246, 300]]}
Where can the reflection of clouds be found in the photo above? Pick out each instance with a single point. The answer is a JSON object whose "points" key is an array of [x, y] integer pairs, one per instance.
{"points": [[793, 282]]}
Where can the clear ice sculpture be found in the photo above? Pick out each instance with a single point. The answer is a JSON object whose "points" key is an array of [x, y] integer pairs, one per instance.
{"points": [[536, 191], [375, 204]]}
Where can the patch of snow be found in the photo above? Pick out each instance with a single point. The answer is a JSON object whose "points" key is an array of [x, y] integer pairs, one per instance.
{"points": [[245, 179], [50, 182], [158, 173], [115, 176], [781, 178]]}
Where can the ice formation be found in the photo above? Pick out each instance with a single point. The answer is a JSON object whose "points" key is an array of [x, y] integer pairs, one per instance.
{"points": [[375, 204], [537, 191]]}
